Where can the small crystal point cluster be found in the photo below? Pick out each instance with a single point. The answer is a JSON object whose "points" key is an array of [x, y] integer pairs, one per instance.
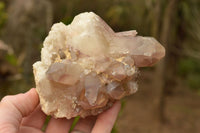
{"points": [[85, 66]]}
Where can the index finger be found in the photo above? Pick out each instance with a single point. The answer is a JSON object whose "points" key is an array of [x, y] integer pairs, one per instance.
{"points": [[106, 120]]}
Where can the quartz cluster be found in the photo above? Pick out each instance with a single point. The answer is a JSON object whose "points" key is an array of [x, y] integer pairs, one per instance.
{"points": [[85, 66]]}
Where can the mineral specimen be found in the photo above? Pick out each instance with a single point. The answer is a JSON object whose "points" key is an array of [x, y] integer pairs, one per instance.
{"points": [[85, 66]]}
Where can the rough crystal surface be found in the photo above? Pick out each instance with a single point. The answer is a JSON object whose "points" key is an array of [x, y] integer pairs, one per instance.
{"points": [[86, 66]]}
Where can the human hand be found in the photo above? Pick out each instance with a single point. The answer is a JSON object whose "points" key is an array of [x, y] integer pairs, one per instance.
{"points": [[22, 114]]}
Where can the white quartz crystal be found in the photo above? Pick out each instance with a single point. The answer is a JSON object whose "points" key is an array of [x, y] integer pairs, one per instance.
{"points": [[86, 66]]}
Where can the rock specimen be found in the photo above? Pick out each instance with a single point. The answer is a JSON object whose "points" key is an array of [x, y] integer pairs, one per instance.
{"points": [[85, 66]]}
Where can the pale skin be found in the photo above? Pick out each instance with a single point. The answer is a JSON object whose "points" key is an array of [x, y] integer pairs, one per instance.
{"points": [[22, 114]]}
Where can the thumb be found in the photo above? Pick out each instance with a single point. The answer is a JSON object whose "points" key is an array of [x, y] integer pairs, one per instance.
{"points": [[14, 108]]}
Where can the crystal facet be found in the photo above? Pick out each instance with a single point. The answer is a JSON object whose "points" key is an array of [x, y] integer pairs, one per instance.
{"points": [[85, 66]]}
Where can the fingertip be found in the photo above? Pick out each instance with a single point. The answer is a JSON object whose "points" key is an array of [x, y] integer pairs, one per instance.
{"points": [[32, 90], [33, 93], [117, 104], [106, 120], [33, 96], [115, 108]]}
